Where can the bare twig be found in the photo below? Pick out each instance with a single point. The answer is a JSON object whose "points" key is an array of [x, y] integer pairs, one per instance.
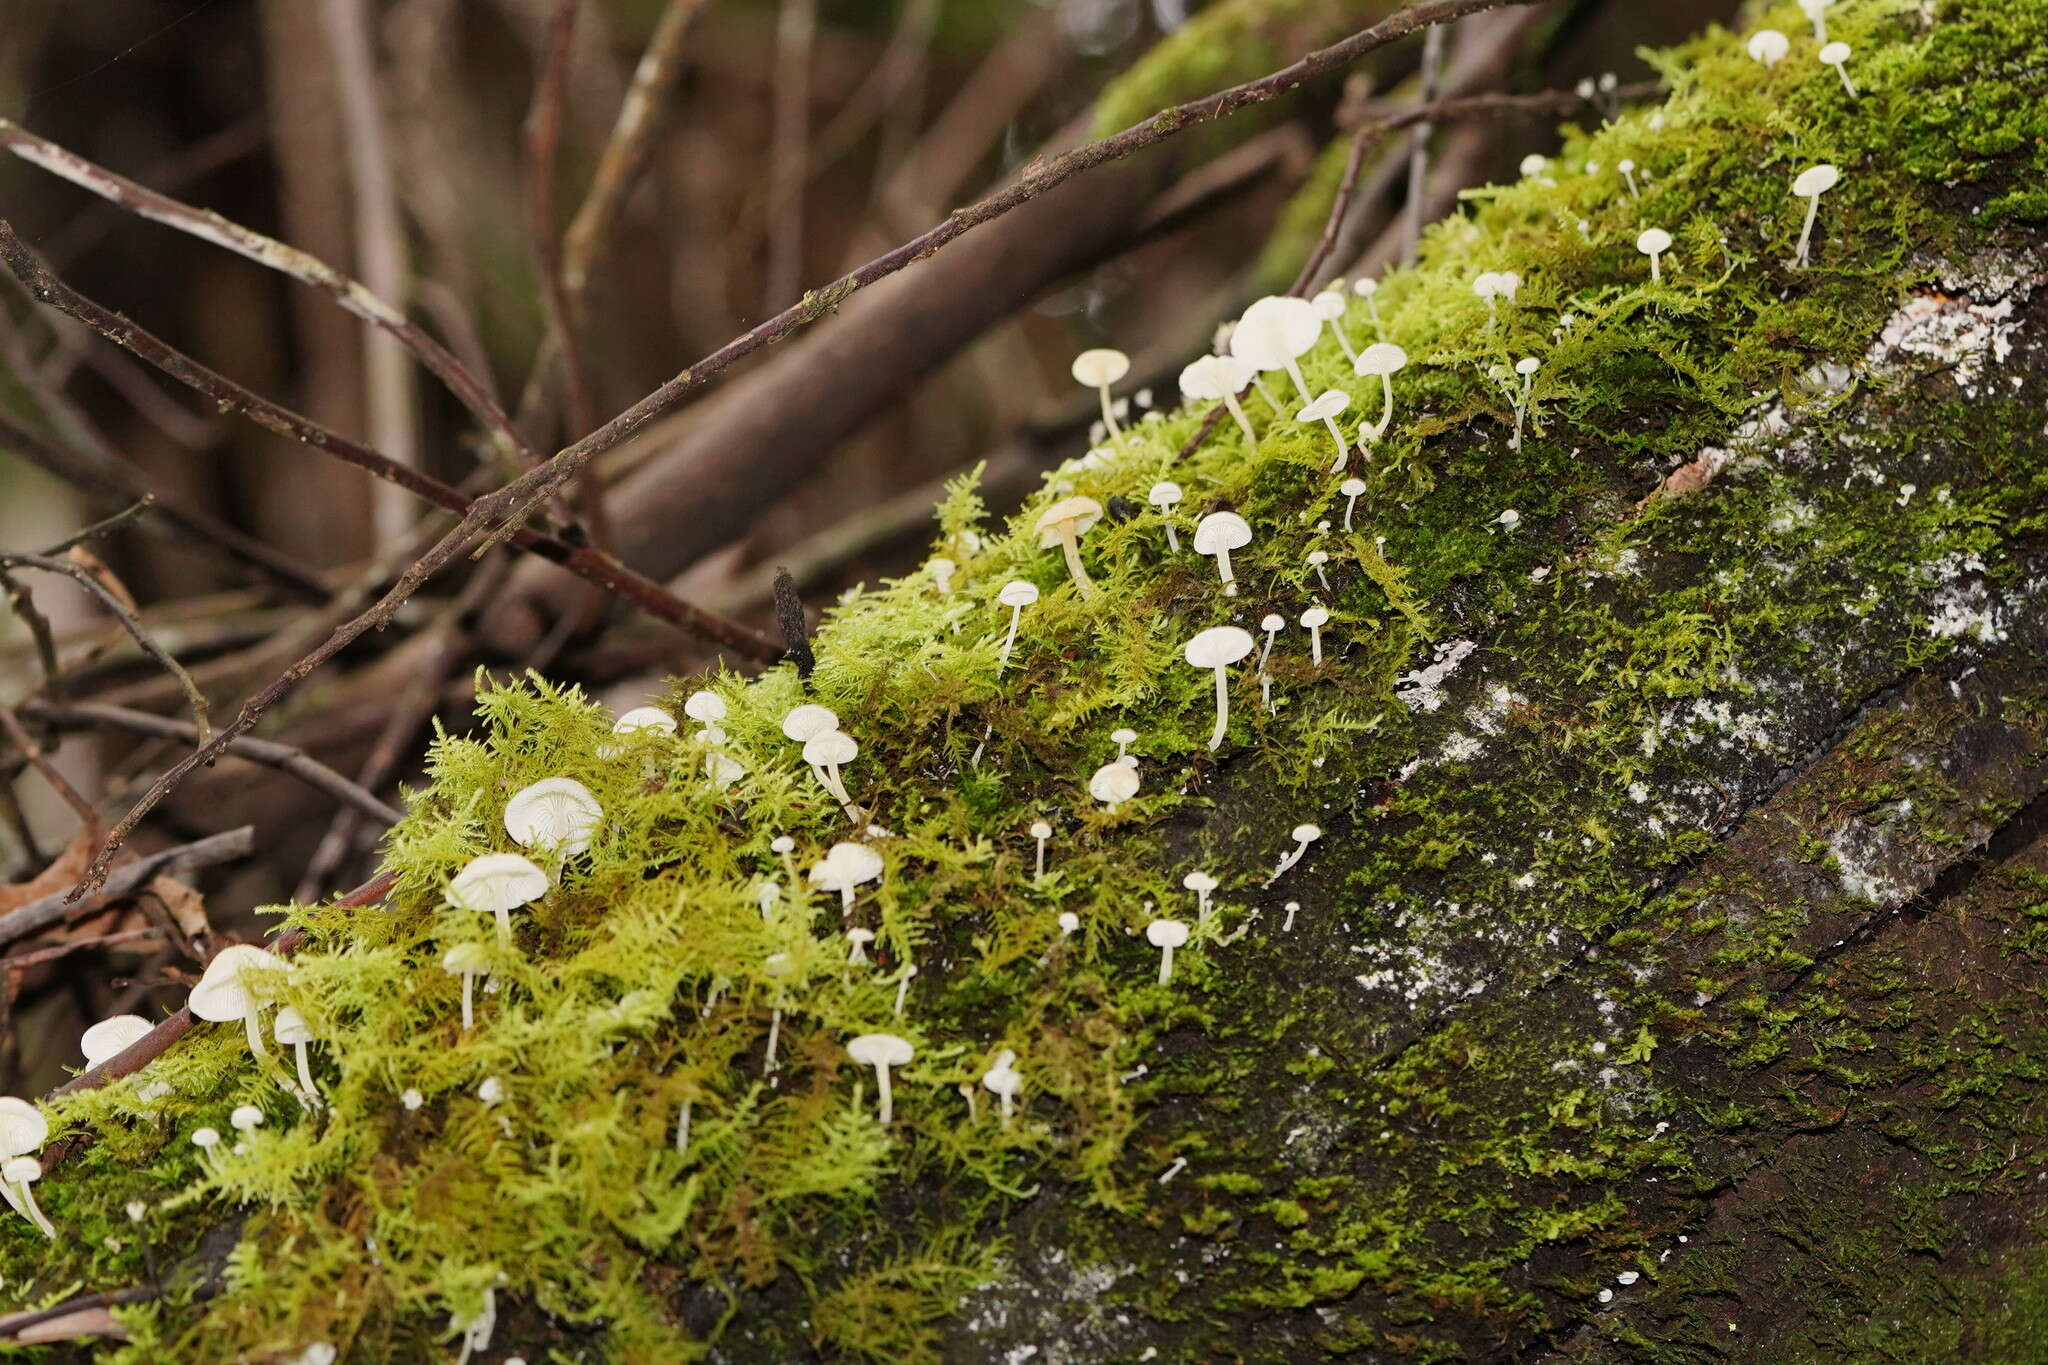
{"points": [[131, 623], [273, 255], [585, 561], [37, 915], [104, 525], [24, 606], [33, 752], [286, 758], [18, 1326], [21, 962]]}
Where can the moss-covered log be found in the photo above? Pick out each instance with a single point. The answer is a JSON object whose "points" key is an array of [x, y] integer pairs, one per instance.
{"points": [[1664, 985]]}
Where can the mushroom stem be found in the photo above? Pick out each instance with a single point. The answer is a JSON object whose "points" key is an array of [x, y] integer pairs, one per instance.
{"points": [[1343, 340], [774, 1036], [1266, 691], [1521, 412], [1038, 872], [504, 924], [1165, 963], [1223, 568], [35, 1214], [1657, 268], [1251, 438], [1016, 614], [1073, 551], [468, 1001], [252, 1024], [1294, 373], [885, 1101], [13, 1199], [1109, 417], [1222, 709], [1805, 233], [683, 1130], [306, 1073], [1315, 645], [1337, 438]]}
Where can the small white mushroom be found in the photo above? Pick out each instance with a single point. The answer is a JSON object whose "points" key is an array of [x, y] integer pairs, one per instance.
{"points": [[245, 1119], [1304, 835], [807, 721], [942, 570], [784, 847], [1817, 15], [556, 815], [1491, 286], [1525, 367], [20, 1172], [1220, 379], [1004, 1081], [1534, 165], [844, 867], [857, 941], [1164, 495], [111, 1037], [23, 1129], [1837, 56], [1811, 184], [825, 751], [1069, 922], [497, 884], [1218, 648], [1098, 369], [1330, 305], [1063, 524], [1113, 784], [228, 990], [1017, 594], [1274, 333], [1628, 173], [491, 1091], [206, 1139], [1203, 885], [291, 1030], [1316, 560], [903, 981], [1368, 289], [1166, 935], [1769, 46], [1384, 359], [1123, 739], [705, 707], [639, 722], [1654, 242], [1287, 925], [1329, 405], [1040, 831], [1352, 489], [1315, 618], [881, 1051], [1273, 623], [468, 961], [1218, 534]]}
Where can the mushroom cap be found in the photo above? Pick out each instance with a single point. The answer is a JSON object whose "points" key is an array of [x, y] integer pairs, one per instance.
{"points": [[880, 1049], [1330, 304], [1069, 922], [1653, 241], [645, 718], [1816, 180], [1218, 647], [1126, 735], [1528, 364], [1018, 592], [1165, 493], [847, 864], [705, 705], [1199, 881], [290, 1027], [1067, 517], [1221, 531], [725, 769], [1535, 164], [223, 994], [830, 746], [1625, 166], [205, 1137], [1380, 358], [1351, 488], [464, 959], [941, 567], [1214, 377], [111, 1036], [1318, 557], [1365, 288], [1274, 330], [245, 1117], [1273, 621], [860, 936], [494, 882], [1307, 834], [1769, 46], [557, 813], [807, 721], [21, 1170], [1100, 366], [1114, 782], [1834, 54], [1040, 830], [1327, 404], [1813, 7], [22, 1126], [782, 843], [1316, 616], [1001, 1078], [1166, 933]]}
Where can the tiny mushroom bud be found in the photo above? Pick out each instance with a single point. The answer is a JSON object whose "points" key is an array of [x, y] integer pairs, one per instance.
{"points": [[1368, 289], [1535, 164], [1274, 333], [1273, 624], [1328, 405], [1063, 524], [1304, 835], [1293, 908], [1628, 173], [942, 570], [1218, 648], [110, 1037], [1202, 884], [844, 867], [1218, 534], [1017, 594], [1004, 1081], [1654, 242], [497, 884], [1384, 359], [291, 1030], [1098, 369], [1812, 183], [1124, 739], [1040, 831], [1525, 367], [785, 847], [468, 961], [1166, 935], [1769, 46], [246, 1119], [881, 1051], [226, 990], [1221, 378], [555, 814], [492, 1091], [1330, 305], [1164, 495], [20, 1172], [1069, 922], [857, 941], [1114, 784], [1352, 489], [411, 1098], [1837, 56], [1315, 618], [206, 1139]]}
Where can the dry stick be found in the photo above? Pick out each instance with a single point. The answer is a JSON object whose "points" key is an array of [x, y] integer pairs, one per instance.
{"points": [[103, 525], [38, 915], [33, 752], [272, 254], [25, 607], [230, 397], [286, 758], [494, 515], [129, 622], [21, 962], [14, 1324]]}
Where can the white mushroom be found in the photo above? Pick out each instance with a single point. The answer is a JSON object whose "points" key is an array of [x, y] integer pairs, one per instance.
{"points": [[1063, 524], [1017, 594], [20, 1172], [1330, 305], [1098, 369], [1166, 935], [1837, 56], [468, 961], [1113, 784], [1384, 359], [1165, 495], [497, 884], [1816, 14], [857, 941], [1812, 183], [942, 570], [556, 815], [1525, 367], [1326, 409], [1203, 885], [1492, 286], [1124, 738], [1314, 619], [1004, 1081], [640, 721], [1274, 333], [844, 867], [1654, 242], [1769, 46], [23, 1129], [1316, 560], [881, 1051], [228, 990], [291, 1030], [1628, 173], [1040, 832], [705, 707], [1304, 835], [1218, 534], [806, 721], [1220, 379], [825, 751], [1352, 489], [111, 1037], [1218, 648], [1273, 624]]}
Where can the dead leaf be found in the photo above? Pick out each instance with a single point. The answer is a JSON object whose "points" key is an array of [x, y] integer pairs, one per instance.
{"points": [[187, 906], [104, 576], [60, 875]]}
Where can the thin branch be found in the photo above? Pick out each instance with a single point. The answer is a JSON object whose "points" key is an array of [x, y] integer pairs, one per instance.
{"points": [[230, 397], [38, 915], [14, 1325], [286, 758], [21, 962], [33, 752], [104, 525], [272, 254], [129, 622], [24, 606]]}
